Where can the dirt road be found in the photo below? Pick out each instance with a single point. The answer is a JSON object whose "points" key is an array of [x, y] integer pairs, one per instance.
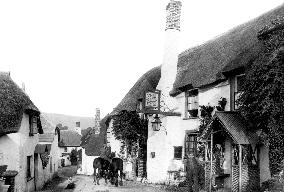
{"points": [[85, 183]]}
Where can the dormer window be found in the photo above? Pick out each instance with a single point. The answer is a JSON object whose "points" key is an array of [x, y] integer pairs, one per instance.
{"points": [[139, 106], [239, 83], [191, 103], [33, 125]]}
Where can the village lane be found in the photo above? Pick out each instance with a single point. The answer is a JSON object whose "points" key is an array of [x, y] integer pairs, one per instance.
{"points": [[84, 183]]}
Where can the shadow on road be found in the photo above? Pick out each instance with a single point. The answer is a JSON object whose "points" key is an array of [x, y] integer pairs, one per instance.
{"points": [[61, 181]]}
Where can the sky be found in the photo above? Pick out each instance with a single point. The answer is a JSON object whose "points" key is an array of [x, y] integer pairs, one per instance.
{"points": [[76, 56]]}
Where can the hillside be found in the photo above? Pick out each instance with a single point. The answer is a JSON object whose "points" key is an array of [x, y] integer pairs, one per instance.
{"points": [[70, 121]]}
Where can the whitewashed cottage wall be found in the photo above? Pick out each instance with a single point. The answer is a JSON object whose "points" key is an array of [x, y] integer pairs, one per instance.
{"points": [[172, 133]]}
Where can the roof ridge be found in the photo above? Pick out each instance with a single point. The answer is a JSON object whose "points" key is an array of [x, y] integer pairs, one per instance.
{"points": [[191, 49]]}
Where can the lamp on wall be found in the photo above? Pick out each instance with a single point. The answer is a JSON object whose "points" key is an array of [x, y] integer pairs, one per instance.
{"points": [[156, 123]]}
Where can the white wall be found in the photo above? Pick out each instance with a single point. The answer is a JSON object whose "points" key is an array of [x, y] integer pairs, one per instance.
{"points": [[47, 173], [87, 164], [66, 155], [212, 96], [112, 142], [172, 133], [21, 145]]}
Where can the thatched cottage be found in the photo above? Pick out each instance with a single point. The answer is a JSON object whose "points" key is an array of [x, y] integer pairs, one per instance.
{"points": [[92, 143], [68, 140], [48, 151], [203, 75], [19, 128]]}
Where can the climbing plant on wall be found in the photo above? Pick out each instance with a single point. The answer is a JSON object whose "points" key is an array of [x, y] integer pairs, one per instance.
{"points": [[129, 128], [262, 101]]}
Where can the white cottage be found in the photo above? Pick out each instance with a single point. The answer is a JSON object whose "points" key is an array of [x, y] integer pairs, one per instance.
{"points": [[47, 152], [201, 75], [19, 128], [93, 142]]}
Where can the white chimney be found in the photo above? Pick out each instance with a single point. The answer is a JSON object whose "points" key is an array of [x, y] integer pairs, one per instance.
{"points": [[171, 51], [78, 127]]}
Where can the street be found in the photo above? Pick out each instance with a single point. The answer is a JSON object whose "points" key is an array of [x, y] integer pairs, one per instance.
{"points": [[85, 183]]}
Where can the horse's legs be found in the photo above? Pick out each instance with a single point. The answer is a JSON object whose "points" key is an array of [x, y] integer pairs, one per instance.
{"points": [[105, 175], [95, 175], [98, 176], [120, 171], [116, 178]]}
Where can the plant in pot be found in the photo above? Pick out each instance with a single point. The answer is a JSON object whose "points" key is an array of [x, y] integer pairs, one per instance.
{"points": [[193, 112]]}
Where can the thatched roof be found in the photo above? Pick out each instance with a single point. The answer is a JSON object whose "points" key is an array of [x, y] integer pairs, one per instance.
{"points": [[204, 64], [46, 137], [93, 143], [13, 103], [69, 139], [234, 125], [148, 81]]}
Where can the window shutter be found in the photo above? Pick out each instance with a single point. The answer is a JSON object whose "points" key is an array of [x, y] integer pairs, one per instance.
{"points": [[30, 125]]}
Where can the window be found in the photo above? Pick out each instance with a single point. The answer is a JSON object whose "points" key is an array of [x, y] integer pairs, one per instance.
{"points": [[190, 144], [33, 125], [29, 163], [191, 103], [139, 106], [239, 83], [78, 124], [177, 152]]}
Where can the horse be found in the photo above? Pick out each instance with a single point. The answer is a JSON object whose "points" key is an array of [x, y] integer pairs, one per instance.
{"points": [[103, 166], [115, 167]]}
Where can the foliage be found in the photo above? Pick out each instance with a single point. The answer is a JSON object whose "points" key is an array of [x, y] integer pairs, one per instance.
{"points": [[206, 113], [129, 128], [262, 100], [44, 159], [206, 117], [73, 157], [106, 152]]}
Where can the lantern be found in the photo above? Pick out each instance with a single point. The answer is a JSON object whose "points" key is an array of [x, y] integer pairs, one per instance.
{"points": [[156, 123]]}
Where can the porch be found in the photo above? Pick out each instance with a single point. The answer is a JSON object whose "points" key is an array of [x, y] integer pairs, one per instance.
{"points": [[232, 154]]}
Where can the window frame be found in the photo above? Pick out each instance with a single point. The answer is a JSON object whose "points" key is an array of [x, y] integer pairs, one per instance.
{"points": [[178, 151], [29, 167], [194, 109], [33, 125], [237, 93], [190, 150]]}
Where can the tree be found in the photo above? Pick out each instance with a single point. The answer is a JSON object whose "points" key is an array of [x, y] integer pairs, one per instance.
{"points": [[129, 128], [262, 102], [73, 157]]}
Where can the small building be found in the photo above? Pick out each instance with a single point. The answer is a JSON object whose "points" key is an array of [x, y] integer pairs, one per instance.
{"points": [[67, 141], [93, 143], [48, 151], [20, 126]]}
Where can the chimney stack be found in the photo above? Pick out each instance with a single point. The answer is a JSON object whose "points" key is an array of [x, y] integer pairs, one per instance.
{"points": [[98, 114], [171, 51], [97, 121]]}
